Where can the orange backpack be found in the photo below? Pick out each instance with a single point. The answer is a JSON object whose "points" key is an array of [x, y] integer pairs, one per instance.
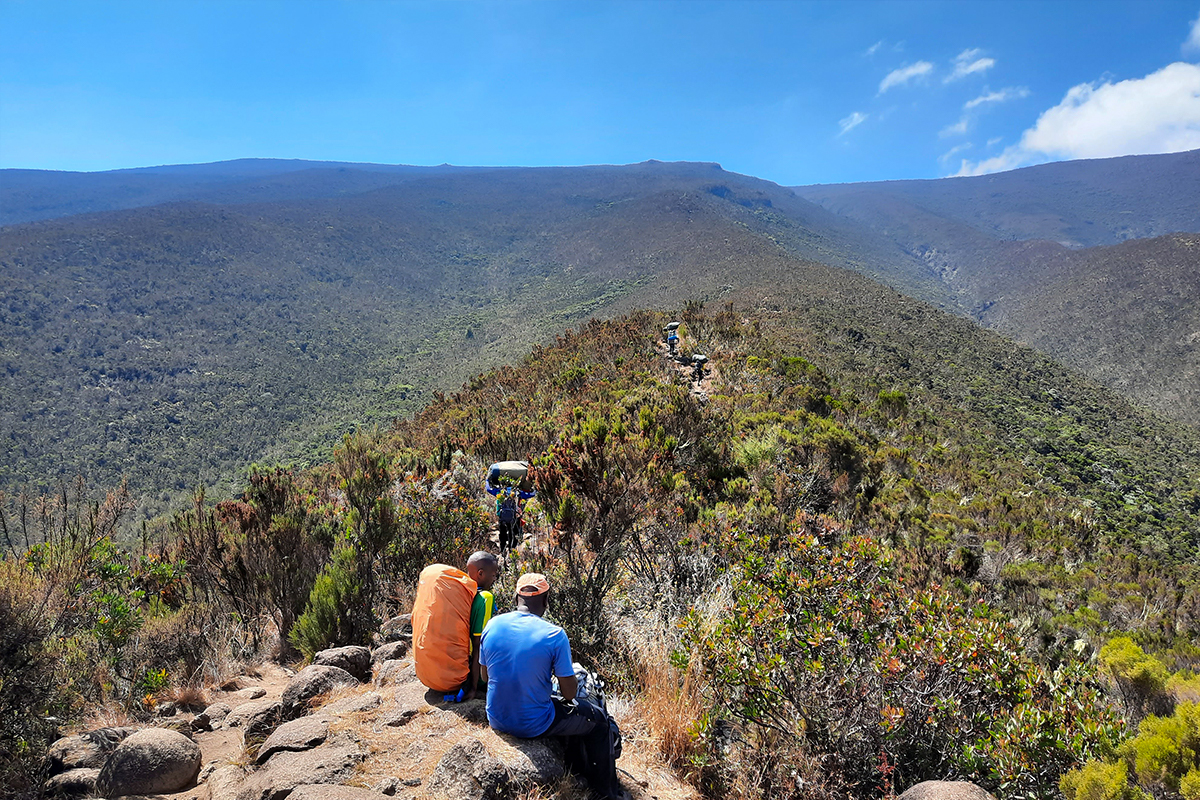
{"points": [[441, 623]]}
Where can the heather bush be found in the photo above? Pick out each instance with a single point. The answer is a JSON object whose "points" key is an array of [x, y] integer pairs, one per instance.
{"points": [[827, 652]]}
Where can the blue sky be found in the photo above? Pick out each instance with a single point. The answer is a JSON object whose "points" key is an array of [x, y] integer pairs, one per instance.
{"points": [[794, 92]]}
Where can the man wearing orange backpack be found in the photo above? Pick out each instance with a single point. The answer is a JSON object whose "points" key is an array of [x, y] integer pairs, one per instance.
{"points": [[449, 615]]}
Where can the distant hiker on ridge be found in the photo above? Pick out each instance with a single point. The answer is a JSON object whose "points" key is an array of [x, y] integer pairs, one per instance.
{"points": [[508, 482]]}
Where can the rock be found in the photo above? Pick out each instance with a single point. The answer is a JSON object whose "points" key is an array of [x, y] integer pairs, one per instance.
{"points": [[257, 719], [167, 709], [393, 671], [945, 790], [355, 703], [179, 725], [225, 782], [150, 761], [309, 682], [246, 695], [84, 750], [79, 782], [318, 792], [389, 652], [210, 718], [299, 734], [469, 772], [405, 711], [332, 762], [396, 628], [354, 659], [387, 786]]}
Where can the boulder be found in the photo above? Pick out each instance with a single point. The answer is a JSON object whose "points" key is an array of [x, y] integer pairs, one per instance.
{"points": [[331, 763], [354, 659], [310, 682], [319, 792], [246, 695], [84, 750], [79, 782], [150, 761], [396, 628], [355, 703], [389, 651], [390, 672], [257, 719], [299, 734], [225, 782], [387, 786], [945, 790], [210, 718], [469, 771]]}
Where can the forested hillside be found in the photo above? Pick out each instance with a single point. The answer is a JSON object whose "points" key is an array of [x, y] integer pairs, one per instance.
{"points": [[853, 554], [1035, 254], [176, 344]]}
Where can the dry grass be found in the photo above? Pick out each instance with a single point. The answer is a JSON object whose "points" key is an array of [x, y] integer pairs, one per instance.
{"points": [[190, 698]]}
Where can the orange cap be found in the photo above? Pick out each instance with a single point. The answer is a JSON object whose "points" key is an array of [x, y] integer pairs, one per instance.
{"points": [[531, 584]]}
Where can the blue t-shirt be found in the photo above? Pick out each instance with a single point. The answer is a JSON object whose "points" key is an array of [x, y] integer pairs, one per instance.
{"points": [[520, 651]]}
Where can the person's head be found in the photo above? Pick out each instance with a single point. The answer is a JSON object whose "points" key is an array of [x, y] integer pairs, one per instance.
{"points": [[483, 567], [533, 593]]}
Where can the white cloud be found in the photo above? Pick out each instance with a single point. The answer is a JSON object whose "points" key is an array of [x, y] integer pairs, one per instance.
{"points": [[873, 49], [899, 77], [1193, 41], [953, 151], [968, 62], [994, 141], [851, 122], [1002, 96], [957, 129], [1159, 113]]}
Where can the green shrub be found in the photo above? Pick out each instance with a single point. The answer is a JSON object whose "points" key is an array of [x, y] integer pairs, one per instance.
{"points": [[1099, 780], [825, 651], [1141, 678], [329, 620]]}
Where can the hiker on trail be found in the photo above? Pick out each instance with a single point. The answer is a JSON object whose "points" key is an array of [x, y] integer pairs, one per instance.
{"points": [[672, 331], [520, 654], [511, 494], [450, 612]]}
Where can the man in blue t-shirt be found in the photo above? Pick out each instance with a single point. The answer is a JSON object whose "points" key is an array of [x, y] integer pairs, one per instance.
{"points": [[518, 655]]}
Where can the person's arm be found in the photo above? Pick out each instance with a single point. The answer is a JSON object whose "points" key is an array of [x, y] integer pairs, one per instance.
{"points": [[483, 672], [568, 686], [492, 490], [564, 670]]}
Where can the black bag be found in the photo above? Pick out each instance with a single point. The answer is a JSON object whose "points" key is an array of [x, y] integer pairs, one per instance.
{"points": [[600, 771]]}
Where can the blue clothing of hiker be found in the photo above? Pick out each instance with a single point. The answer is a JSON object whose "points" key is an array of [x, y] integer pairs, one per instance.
{"points": [[508, 511]]}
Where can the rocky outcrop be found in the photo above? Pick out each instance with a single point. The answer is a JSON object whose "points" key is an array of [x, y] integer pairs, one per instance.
{"points": [[396, 628], [331, 763], [310, 682], [354, 704], [84, 750], [225, 782], [257, 719], [469, 771], [946, 790], [150, 761], [390, 672], [318, 792], [353, 659], [211, 718], [389, 651], [299, 734], [79, 782]]}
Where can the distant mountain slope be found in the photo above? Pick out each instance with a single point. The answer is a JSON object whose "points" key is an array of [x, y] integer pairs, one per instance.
{"points": [[31, 195], [1076, 203], [174, 344], [1035, 253]]}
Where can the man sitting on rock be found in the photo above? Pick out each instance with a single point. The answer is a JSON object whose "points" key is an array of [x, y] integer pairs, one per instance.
{"points": [[520, 653], [483, 568]]}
